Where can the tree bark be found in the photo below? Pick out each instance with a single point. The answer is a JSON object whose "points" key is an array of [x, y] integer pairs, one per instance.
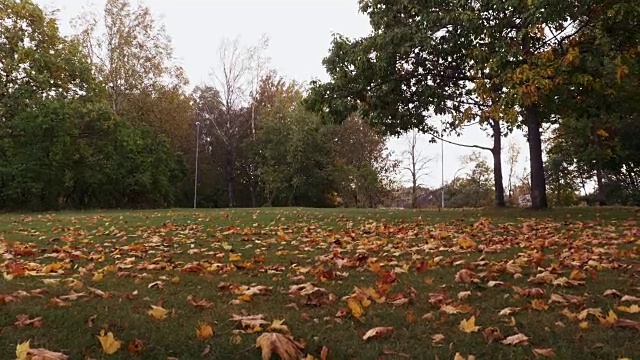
{"points": [[602, 201], [497, 164], [538, 185]]}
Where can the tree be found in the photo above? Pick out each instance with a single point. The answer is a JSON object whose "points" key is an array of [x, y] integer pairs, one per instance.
{"points": [[133, 56], [233, 85], [596, 136], [472, 189], [442, 55], [513, 156], [416, 164], [61, 145], [293, 152], [363, 166]]}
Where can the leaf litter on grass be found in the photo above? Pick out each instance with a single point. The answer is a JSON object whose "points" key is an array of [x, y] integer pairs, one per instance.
{"points": [[437, 276]]}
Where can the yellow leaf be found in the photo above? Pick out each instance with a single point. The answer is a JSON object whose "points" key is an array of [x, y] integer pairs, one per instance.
{"points": [[610, 319], [633, 309], [469, 326], [97, 277], [583, 325], [603, 133], [204, 332], [158, 312], [366, 303], [22, 349], [466, 243], [234, 257], [356, 309], [109, 344], [577, 275], [277, 325]]}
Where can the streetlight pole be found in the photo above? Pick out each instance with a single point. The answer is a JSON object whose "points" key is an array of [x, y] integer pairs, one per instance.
{"points": [[442, 160], [195, 184]]}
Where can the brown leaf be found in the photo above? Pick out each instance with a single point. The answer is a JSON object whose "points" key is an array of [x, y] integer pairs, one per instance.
{"points": [[44, 354], [283, 345], [466, 276], [627, 324], [58, 303], [202, 304], [23, 320], [544, 352], [492, 334], [378, 332], [517, 339], [437, 339], [324, 353], [91, 320]]}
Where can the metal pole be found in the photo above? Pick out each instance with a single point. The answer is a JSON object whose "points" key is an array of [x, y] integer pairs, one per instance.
{"points": [[195, 184], [442, 159]]}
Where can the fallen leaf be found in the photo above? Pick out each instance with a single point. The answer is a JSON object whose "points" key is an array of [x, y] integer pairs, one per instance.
{"points": [[538, 304], [136, 347], [492, 334], [283, 345], [356, 308], [633, 309], [629, 298], [469, 326], [437, 339], [206, 351], [544, 352], [517, 339], [91, 319], [22, 349], [204, 331], [202, 304], [23, 320], [109, 343], [378, 332], [158, 312], [324, 353]]}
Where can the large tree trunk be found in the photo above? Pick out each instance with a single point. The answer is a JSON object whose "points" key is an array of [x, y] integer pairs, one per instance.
{"points": [[538, 185], [497, 164]]}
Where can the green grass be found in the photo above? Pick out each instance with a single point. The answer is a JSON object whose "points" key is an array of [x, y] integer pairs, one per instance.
{"points": [[282, 247]]}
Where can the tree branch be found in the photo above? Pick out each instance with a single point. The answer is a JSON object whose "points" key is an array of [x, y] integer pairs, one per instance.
{"points": [[462, 145]]}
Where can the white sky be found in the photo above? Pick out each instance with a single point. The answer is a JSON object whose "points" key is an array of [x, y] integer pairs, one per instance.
{"points": [[300, 33]]}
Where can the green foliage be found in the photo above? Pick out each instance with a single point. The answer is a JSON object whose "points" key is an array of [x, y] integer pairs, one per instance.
{"points": [[61, 146], [362, 165], [474, 189], [293, 158], [563, 185]]}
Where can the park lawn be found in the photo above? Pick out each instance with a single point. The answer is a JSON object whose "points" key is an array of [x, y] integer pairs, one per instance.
{"points": [[563, 282]]}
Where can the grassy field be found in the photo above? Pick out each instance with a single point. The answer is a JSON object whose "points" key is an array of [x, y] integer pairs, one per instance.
{"points": [[564, 282]]}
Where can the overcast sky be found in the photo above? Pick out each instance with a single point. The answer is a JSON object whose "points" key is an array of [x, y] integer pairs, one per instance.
{"points": [[300, 33]]}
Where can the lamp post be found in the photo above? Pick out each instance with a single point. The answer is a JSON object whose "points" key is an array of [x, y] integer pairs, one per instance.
{"points": [[442, 160], [195, 184]]}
